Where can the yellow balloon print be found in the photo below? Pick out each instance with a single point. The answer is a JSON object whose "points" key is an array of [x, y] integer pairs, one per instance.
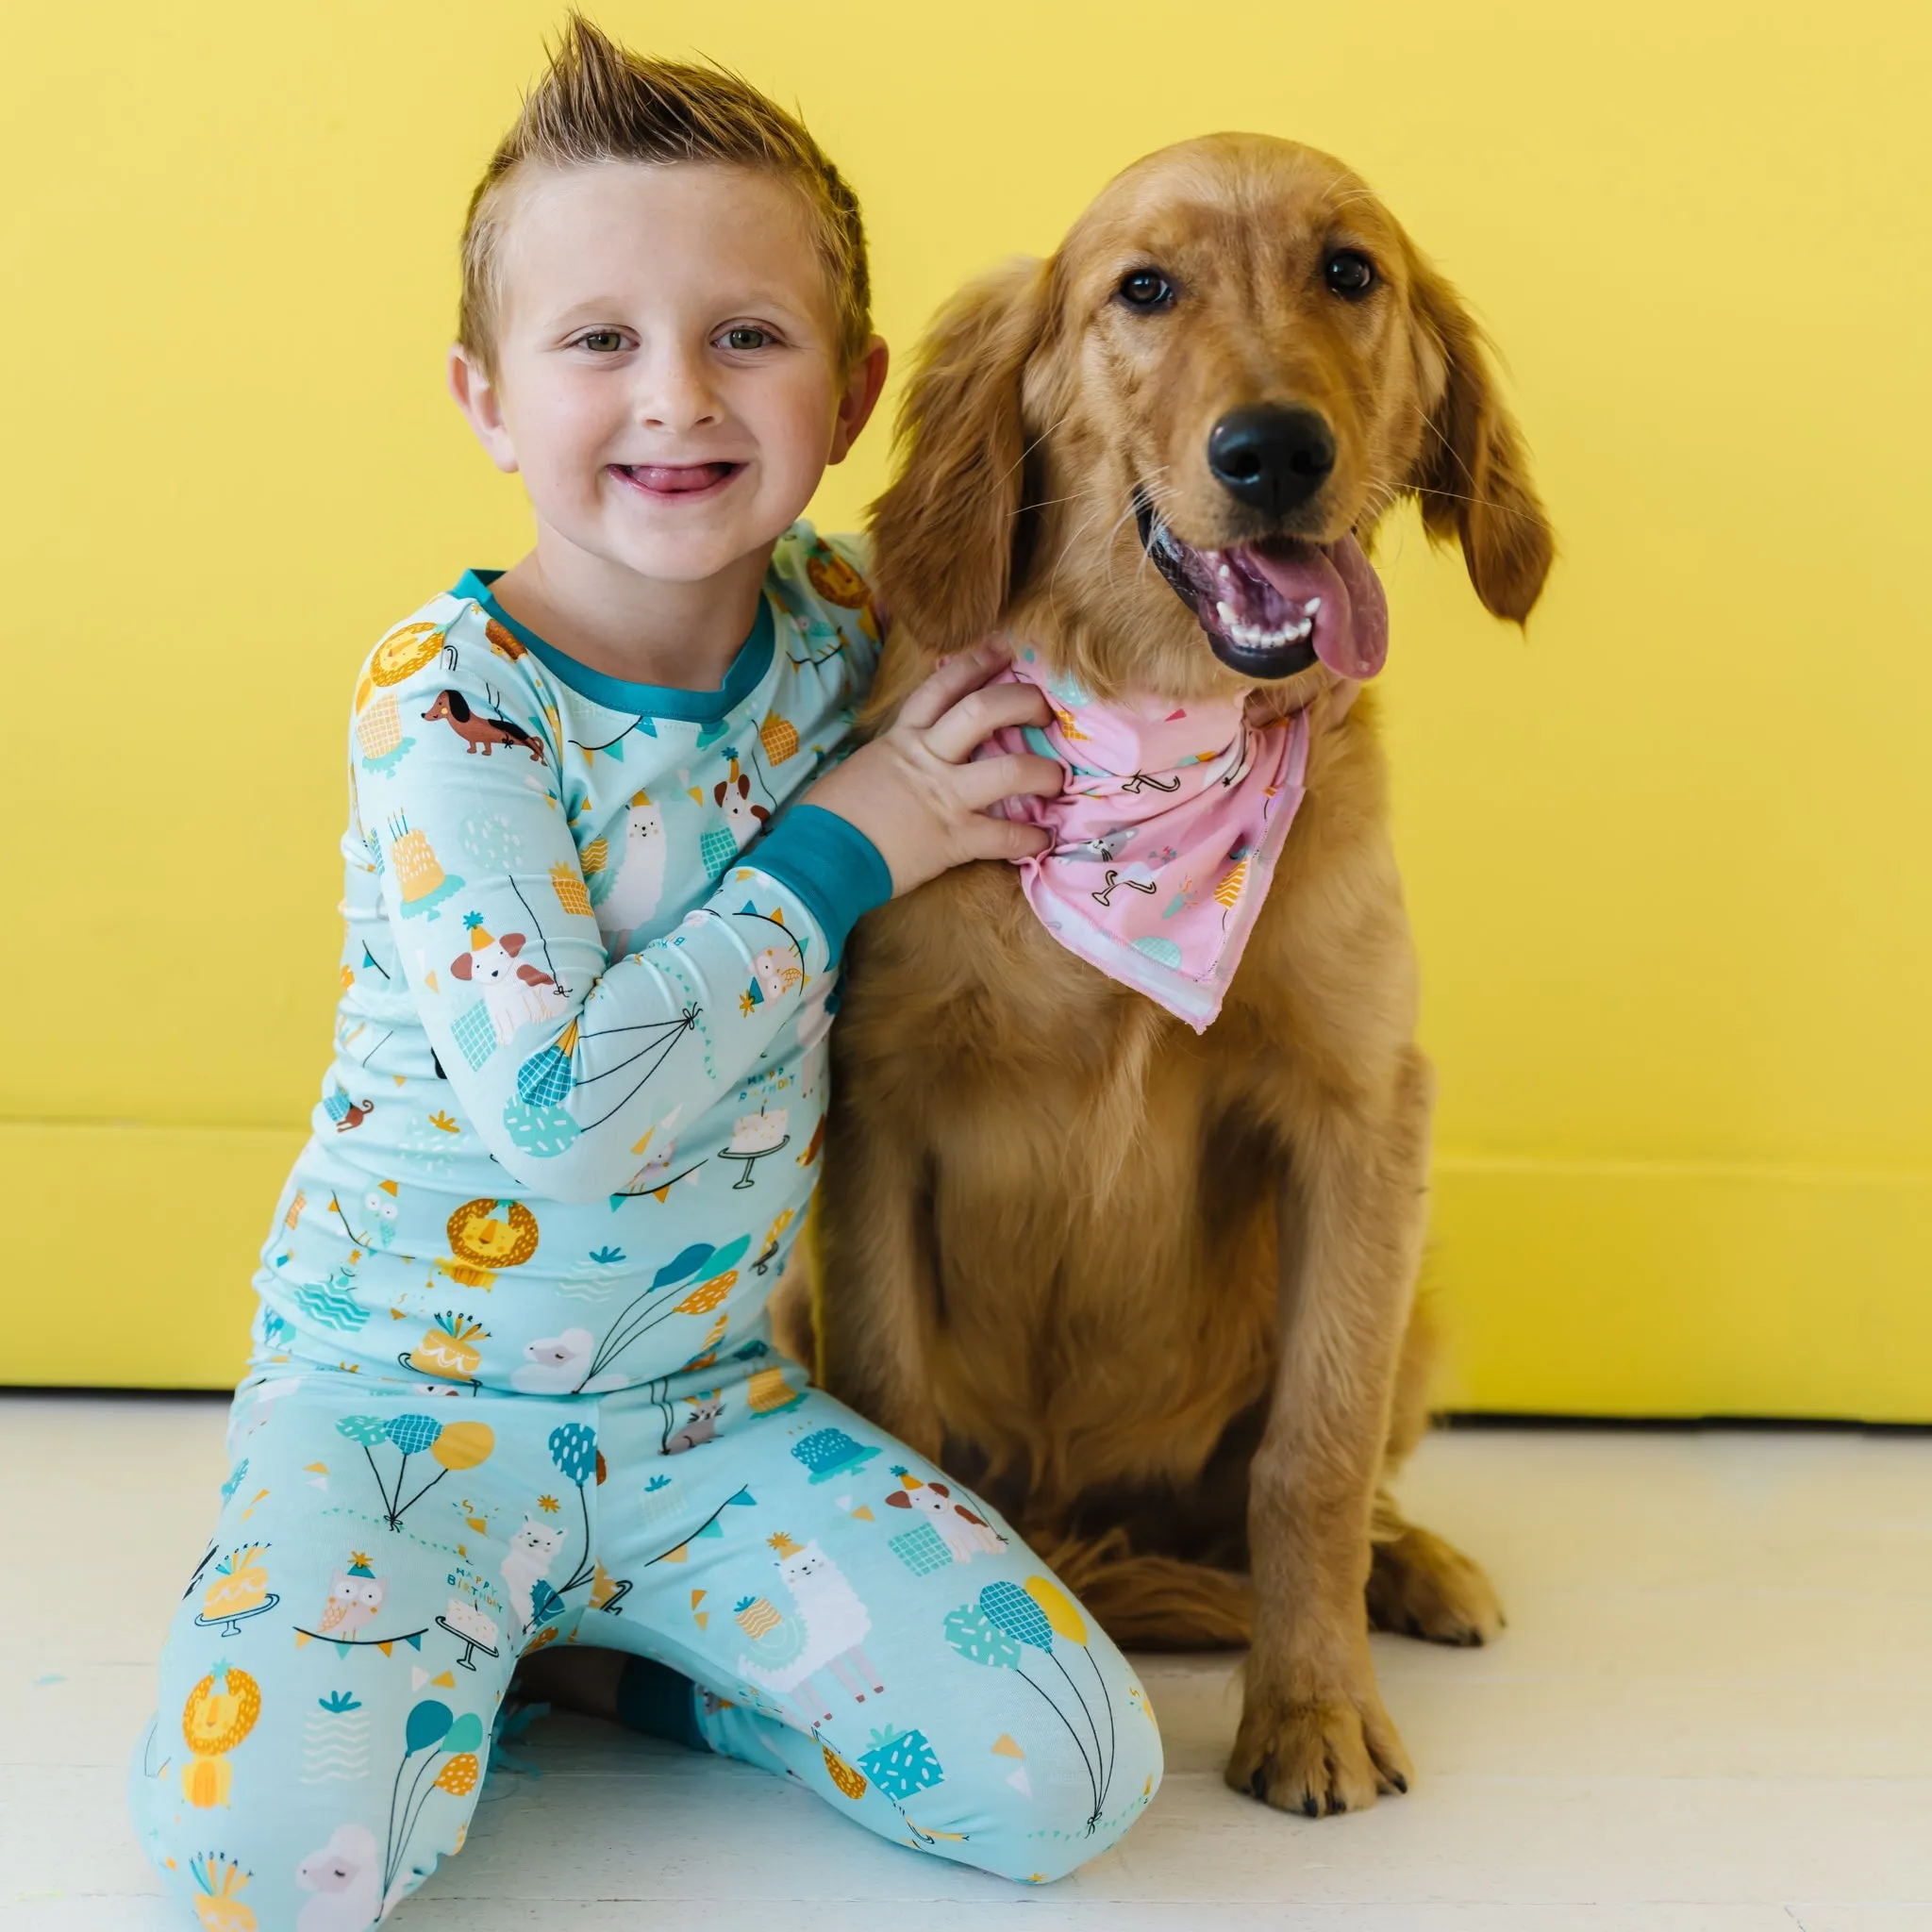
{"points": [[1058, 1609], [463, 1445]]}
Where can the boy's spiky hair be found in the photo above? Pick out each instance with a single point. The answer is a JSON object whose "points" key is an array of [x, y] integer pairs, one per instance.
{"points": [[600, 103]]}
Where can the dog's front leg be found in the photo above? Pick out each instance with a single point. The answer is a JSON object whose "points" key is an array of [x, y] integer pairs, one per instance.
{"points": [[1313, 1736]]}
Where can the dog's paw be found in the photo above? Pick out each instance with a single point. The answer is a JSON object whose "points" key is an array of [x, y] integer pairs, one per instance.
{"points": [[1319, 1757], [1420, 1587]]}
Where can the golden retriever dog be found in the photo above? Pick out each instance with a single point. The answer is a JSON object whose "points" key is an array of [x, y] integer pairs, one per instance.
{"points": [[1152, 1290]]}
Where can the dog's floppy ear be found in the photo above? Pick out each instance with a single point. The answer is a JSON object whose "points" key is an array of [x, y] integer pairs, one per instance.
{"points": [[949, 535], [1472, 475]]}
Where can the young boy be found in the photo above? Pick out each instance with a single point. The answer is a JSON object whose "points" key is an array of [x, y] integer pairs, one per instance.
{"points": [[513, 1384]]}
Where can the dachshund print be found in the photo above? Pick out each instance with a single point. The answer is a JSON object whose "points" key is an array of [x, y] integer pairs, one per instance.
{"points": [[482, 734]]}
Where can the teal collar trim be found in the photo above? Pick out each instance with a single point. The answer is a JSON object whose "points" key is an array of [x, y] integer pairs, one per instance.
{"points": [[619, 693]]}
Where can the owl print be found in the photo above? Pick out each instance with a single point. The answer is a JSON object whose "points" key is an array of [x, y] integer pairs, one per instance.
{"points": [[354, 1597]]}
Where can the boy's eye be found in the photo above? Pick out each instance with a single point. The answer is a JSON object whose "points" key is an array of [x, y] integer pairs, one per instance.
{"points": [[745, 337], [605, 341]]}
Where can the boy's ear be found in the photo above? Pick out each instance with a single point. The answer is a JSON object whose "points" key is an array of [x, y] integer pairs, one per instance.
{"points": [[949, 535], [860, 398], [477, 398]]}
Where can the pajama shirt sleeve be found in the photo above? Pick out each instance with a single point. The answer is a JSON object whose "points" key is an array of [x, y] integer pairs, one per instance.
{"points": [[564, 1061]]}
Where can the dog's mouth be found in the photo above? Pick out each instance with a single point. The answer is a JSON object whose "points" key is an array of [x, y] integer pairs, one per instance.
{"points": [[1272, 608]]}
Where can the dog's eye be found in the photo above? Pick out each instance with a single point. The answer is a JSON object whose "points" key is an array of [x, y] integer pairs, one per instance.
{"points": [[1145, 288], [1349, 274]]}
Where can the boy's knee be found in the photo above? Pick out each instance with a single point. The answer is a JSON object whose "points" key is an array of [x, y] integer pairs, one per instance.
{"points": [[1061, 1807], [243, 1868], [261, 1847], [1073, 1817]]}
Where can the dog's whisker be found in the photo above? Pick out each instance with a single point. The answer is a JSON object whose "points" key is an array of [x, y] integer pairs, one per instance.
{"points": [[1028, 449], [1072, 496]]}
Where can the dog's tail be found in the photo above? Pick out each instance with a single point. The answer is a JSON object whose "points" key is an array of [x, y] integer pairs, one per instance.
{"points": [[1149, 1602]]}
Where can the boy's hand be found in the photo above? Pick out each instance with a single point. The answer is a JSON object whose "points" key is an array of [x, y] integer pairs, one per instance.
{"points": [[916, 793]]}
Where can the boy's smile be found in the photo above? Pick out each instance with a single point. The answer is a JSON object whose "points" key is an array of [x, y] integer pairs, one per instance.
{"points": [[668, 386], [685, 481]]}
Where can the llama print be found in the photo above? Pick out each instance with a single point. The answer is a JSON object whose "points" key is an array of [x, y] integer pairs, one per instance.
{"points": [[557, 1364], [532, 1550], [835, 1626], [346, 1879], [638, 884]]}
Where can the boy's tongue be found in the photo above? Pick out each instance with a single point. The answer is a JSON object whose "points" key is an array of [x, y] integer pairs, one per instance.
{"points": [[673, 479], [1351, 619]]}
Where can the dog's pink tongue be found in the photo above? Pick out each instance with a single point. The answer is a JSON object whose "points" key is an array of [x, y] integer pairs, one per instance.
{"points": [[1352, 620]]}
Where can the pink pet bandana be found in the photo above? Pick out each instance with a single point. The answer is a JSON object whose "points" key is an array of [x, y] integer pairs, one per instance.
{"points": [[1165, 838]]}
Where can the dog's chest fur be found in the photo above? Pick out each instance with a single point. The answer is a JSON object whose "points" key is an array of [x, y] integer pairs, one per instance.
{"points": [[1098, 1183]]}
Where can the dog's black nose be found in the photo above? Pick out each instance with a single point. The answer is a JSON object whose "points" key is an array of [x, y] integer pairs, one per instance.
{"points": [[1271, 456]]}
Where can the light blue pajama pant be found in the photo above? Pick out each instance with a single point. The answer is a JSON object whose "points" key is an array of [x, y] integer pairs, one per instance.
{"points": [[382, 1558]]}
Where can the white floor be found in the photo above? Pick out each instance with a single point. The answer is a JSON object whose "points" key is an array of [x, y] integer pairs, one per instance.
{"points": [[1712, 1712]]}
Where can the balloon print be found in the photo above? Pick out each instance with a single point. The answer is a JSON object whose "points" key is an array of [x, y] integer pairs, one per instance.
{"points": [[430, 1732], [428, 1723], [714, 1271], [1058, 1610], [1008, 1622], [463, 1445], [466, 1734], [453, 1445], [574, 1450]]}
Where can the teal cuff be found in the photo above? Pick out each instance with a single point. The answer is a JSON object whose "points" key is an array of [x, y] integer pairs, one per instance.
{"points": [[658, 1701], [830, 864]]}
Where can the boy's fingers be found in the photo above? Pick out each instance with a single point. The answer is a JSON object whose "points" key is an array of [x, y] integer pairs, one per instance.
{"points": [[952, 680], [989, 837], [979, 713], [1014, 775]]}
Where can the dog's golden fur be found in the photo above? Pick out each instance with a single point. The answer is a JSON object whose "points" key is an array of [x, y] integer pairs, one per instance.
{"points": [[1152, 1291]]}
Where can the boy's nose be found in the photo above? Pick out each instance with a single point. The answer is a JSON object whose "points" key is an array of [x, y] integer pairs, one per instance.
{"points": [[678, 395]]}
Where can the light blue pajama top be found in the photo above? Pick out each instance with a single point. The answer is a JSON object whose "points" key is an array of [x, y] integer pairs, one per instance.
{"points": [[574, 1111]]}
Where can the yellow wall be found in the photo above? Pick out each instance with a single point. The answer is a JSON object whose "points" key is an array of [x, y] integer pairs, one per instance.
{"points": [[1666, 860]]}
